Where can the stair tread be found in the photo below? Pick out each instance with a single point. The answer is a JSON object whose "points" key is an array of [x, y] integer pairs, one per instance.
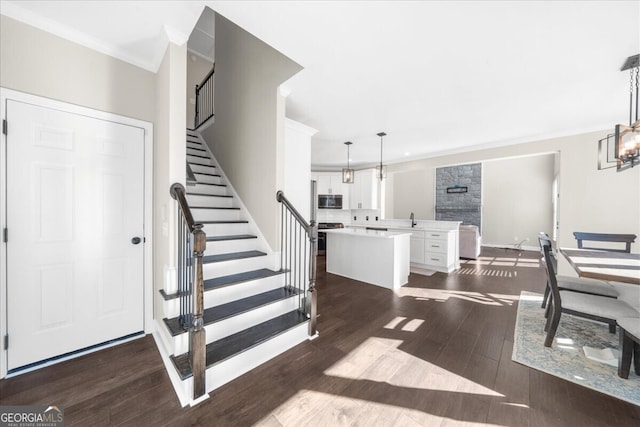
{"points": [[225, 311], [208, 183], [231, 237], [231, 256], [208, 174], [231, 221], [201, 164], [198, 155], [245, 276], [227, 347], [207, 195], [214, 207]]}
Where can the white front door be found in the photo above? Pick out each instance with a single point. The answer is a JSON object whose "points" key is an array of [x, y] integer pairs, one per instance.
{"points": [[74, 203]]}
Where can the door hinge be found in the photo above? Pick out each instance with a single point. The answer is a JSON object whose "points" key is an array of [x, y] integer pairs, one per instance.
{"points": [[6, 342], [4, 126], [5, 235]]}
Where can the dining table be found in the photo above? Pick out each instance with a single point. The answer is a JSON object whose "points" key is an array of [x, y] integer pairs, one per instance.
{"points": [[604, 265]]}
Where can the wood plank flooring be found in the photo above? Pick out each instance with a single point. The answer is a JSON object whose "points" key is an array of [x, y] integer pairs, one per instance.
{"points": [[436, 354]]}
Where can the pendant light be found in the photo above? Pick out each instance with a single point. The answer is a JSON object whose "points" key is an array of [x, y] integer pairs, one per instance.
{"points": [[381, 172], [348, 173]]}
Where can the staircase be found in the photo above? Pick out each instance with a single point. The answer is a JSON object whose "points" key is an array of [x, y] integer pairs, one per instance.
{"points": [[250, 313]]}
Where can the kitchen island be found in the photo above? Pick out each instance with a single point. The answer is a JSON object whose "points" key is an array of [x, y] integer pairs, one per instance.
{"points": [[380, 258]]}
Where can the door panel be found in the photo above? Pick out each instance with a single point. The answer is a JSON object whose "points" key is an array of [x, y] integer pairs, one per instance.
{"points": [[74, 201]]}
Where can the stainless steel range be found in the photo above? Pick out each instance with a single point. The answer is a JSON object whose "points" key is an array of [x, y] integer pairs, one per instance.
{"points": [[322, 237]]}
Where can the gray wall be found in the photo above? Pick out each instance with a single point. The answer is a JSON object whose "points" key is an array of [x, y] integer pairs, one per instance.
{"points": [[247, 137], [37, 62], [517, 194]]}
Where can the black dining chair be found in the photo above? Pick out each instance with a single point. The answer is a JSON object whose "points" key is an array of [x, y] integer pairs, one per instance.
{"points": [[629, 346], [594, 307], [626, 239], [576, 284]]}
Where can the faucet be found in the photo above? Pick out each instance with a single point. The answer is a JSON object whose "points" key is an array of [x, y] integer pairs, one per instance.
{"points": [[413, 222]]}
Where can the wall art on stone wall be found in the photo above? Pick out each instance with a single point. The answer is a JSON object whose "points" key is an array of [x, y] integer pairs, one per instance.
{"points": [[459, 194]]}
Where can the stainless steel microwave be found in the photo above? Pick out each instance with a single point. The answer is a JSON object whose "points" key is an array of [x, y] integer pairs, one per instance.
{"points": [[329, 201]]}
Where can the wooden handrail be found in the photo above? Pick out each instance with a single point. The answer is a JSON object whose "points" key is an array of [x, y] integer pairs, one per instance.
{"points": [[197, 333], [178, 192], [207, 77]]}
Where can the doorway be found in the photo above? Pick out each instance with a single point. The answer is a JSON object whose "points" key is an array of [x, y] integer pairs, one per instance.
{"points": [[75, 212]]}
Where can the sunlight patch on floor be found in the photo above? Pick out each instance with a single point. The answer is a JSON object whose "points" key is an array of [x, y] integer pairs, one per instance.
{"points": [[444, 295], [381, 360]]}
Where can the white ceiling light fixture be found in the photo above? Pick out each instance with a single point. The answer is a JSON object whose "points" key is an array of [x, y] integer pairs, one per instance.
{"points": [[348, 173], [381, 170]]}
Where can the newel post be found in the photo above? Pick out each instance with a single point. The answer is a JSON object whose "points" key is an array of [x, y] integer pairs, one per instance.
{"points": [[198, 334]]}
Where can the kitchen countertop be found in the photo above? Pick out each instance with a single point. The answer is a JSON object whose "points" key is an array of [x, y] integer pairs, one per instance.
{"points": [[361, 231]]}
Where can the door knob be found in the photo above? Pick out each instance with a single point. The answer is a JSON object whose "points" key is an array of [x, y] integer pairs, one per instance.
{"points": [[136, 240]]}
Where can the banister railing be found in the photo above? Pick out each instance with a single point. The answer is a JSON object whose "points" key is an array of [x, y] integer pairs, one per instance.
{"points": [[298, 246], [204, 99], [192, 242]]}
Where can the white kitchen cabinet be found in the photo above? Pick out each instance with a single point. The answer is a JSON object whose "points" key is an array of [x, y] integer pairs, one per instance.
{"points": [[364, 190], [417, 247], [440, 250]]}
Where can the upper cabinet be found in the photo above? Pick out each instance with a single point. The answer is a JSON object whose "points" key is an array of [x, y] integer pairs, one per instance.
{"points": [[364, 190]]}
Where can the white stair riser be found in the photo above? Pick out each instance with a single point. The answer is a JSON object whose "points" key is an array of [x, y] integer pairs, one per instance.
{"points": [[209, 201], [215, 214], [239, 323], [226, 294], [227, 370], [213, 190], [241, 290], [199, 160], [193, 144], [202, 169], [226, 268], [208, 179], [226, 229], [230, 246]]}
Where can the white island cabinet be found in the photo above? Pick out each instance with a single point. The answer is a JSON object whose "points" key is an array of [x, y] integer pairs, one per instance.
{"points": [[377, 257]]}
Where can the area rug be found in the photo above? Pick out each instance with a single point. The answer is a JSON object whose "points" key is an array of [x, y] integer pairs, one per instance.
{"points": [[566, 359]]}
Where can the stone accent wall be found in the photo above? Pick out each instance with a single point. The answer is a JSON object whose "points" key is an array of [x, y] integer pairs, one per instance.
{"points": [[465, 207]]}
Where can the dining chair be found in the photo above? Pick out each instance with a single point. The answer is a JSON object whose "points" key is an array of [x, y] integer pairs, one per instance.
{"points": [[629, 345], [627, 239], [594, 307], [576, 284]]}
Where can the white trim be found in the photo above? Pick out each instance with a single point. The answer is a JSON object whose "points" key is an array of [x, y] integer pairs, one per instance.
{"points": [[5, 95], [511, 247], [300, 127]]}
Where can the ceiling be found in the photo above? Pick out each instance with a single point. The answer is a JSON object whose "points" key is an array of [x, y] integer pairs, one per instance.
{"points": [[437, 77]]}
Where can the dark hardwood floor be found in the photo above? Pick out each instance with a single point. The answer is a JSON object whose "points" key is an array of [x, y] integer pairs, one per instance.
{"points": [[437, 353]]}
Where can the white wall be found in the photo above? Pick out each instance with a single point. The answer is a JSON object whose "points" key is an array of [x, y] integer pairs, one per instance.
{"points": [[197, 69], [247, 137], [169, 160], [297, 170], [517, 199], [37, 62]]}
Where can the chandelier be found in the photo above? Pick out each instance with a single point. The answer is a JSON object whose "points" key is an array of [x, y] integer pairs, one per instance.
{"points": [[348, 173], [381, 172], [623, 146]]}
